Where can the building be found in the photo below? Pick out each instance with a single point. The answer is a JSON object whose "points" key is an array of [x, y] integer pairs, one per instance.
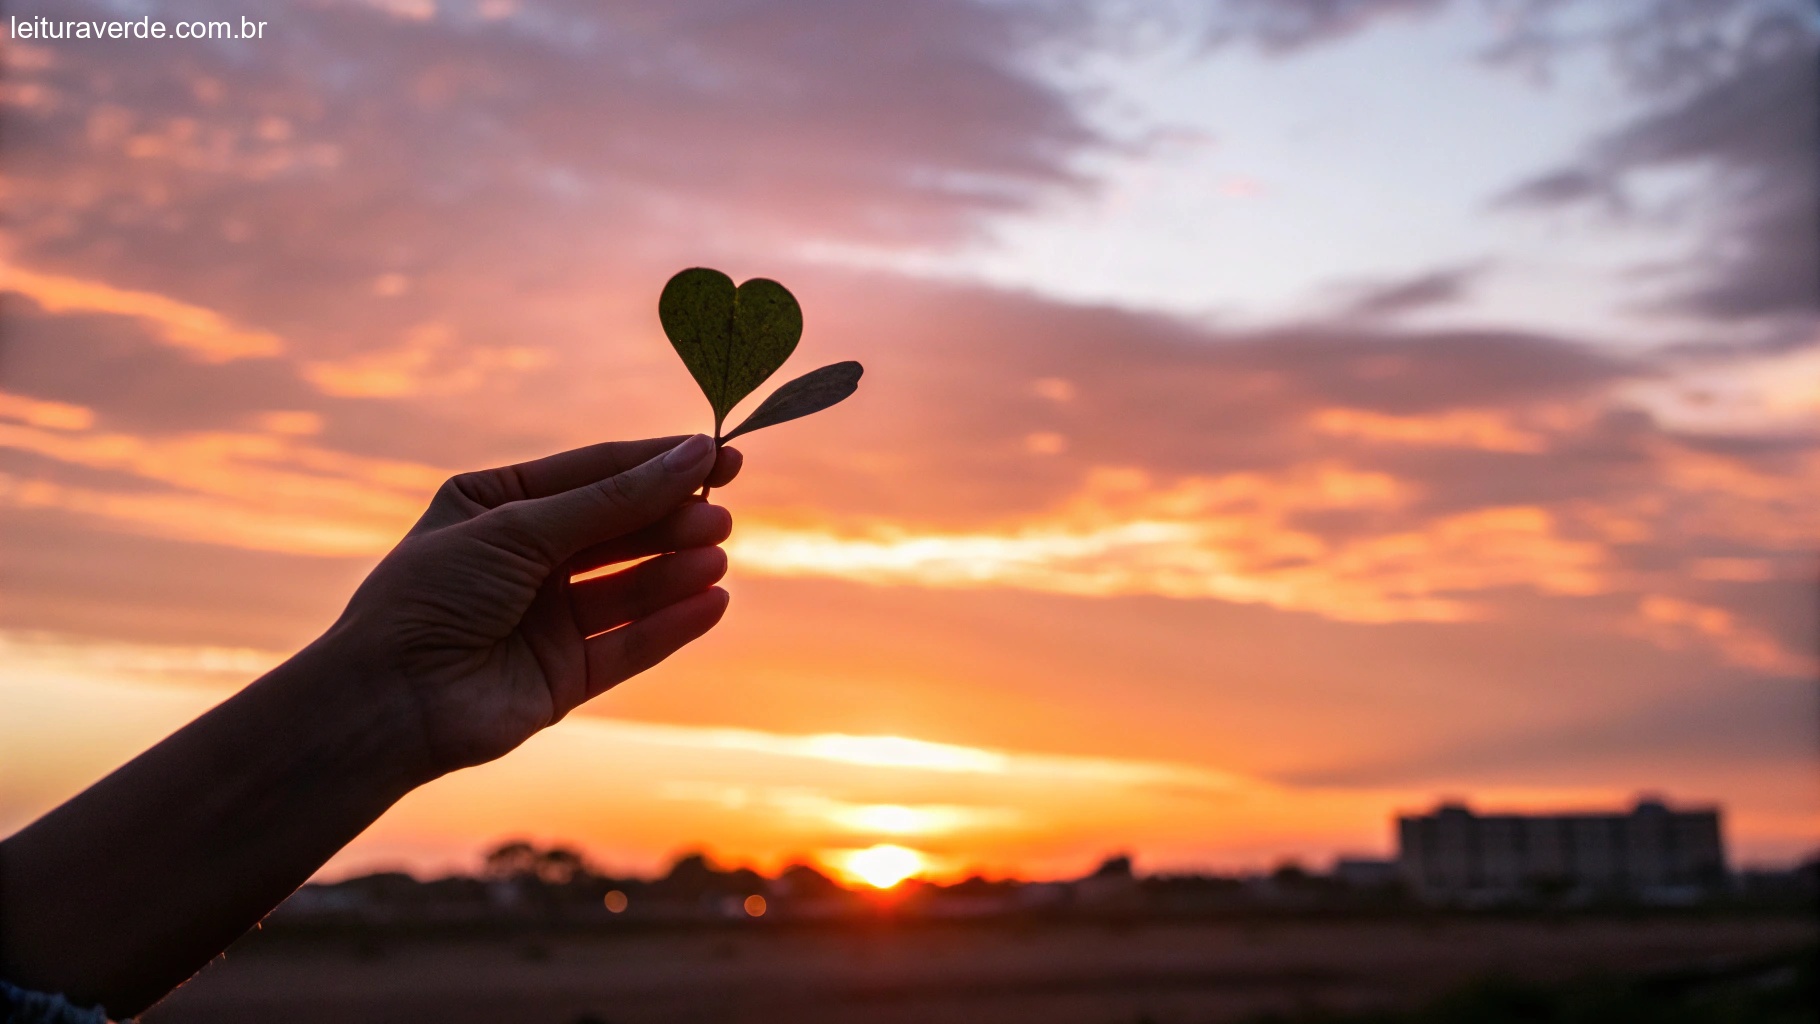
{"points": [[1652, 855]]}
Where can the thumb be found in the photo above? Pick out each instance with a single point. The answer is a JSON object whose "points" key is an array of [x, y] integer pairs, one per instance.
{"points": [[555, 528]]}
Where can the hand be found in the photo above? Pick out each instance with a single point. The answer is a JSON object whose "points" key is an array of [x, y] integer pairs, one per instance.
{"points": [[466, 639], [471, 625]]}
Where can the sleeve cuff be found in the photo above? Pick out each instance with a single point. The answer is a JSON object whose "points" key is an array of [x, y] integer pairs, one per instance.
{"points": [[18, 1006]]}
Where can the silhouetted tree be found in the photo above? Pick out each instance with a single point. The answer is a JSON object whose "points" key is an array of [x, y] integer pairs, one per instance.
{"points": [[800, 881], [519, 860], [510, 860], [561, 865]]}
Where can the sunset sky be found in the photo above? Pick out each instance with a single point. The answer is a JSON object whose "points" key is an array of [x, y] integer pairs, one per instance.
{"points": [[1278, 413]]}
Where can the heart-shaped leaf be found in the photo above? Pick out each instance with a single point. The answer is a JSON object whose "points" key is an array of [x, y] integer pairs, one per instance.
{"points": [[730, 338], [812, 392]]}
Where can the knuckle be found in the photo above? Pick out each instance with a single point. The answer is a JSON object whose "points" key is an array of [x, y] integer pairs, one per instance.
{"points": [[471, 486], [619, 495], [486, 487], [512, 529], [450, 498]]}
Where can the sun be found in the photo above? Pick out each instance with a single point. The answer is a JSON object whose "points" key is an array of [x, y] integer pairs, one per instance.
{"points": [[884, 865]]}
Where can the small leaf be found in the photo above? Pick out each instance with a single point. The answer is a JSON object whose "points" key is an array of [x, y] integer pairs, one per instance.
{"points": [[730, 338], [812, 392]]}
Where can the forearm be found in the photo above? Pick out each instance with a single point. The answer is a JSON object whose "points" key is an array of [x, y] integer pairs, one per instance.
{"points": [[462, 643], [122, 893]]}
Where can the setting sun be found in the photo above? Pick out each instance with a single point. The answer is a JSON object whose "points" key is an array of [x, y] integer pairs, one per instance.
{"points": [[884, 865]]}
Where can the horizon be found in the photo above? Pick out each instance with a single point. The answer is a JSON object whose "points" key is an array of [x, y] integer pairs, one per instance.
{"points": [[847, 877], [1277, 417]]}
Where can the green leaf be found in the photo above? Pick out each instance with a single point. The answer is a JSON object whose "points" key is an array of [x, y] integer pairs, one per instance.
{"points": [[730, 338], [812, 392]]}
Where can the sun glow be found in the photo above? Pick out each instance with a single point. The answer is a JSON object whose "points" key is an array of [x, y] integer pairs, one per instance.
{"points": [[884, 865], [905, 820], [903, 752]]}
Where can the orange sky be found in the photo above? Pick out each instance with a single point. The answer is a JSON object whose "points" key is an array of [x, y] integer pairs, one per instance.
{"points": [[1514, 499]]}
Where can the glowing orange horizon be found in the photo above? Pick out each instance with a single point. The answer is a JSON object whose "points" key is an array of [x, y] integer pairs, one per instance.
{"points": [[883, 866]]}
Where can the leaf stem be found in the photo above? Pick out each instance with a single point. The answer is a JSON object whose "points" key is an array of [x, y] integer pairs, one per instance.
{"points": [[717, 443]]}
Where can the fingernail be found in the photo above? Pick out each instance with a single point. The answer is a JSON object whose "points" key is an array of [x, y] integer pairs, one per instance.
{"points": [[688, 455]]}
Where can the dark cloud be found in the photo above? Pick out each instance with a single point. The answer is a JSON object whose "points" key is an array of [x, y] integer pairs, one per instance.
{"points": [[1436, 288], [1662, 49], [352, 143], [1737, 93], [111, 363], [1707, 730], [1287, 26], [956, 366], [1558, 188]]}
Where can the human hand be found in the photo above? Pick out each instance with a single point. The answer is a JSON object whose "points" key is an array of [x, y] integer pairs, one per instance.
{"points": [[464, 641], [470, 629]]}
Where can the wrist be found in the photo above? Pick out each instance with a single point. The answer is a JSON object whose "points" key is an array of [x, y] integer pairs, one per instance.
{"points": [[360, 725]]}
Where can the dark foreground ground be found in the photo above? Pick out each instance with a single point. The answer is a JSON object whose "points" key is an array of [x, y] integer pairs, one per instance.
{"points": [[1054, 973]]}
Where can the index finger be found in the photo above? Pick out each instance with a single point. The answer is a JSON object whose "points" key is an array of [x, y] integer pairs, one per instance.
{"points": [[578, 467], [469, 494]]}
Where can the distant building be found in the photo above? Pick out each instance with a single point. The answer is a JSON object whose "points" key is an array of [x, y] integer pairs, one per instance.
{"points": [[1652, 855]]}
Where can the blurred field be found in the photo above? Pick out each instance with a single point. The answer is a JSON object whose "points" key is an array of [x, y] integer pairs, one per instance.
{"points": [[983, 973]]}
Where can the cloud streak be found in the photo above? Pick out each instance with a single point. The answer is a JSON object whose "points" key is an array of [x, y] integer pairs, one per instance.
{"points": [[1676, 624], [265, 490], [1232, 538], [905, 754], [200, 332]]}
